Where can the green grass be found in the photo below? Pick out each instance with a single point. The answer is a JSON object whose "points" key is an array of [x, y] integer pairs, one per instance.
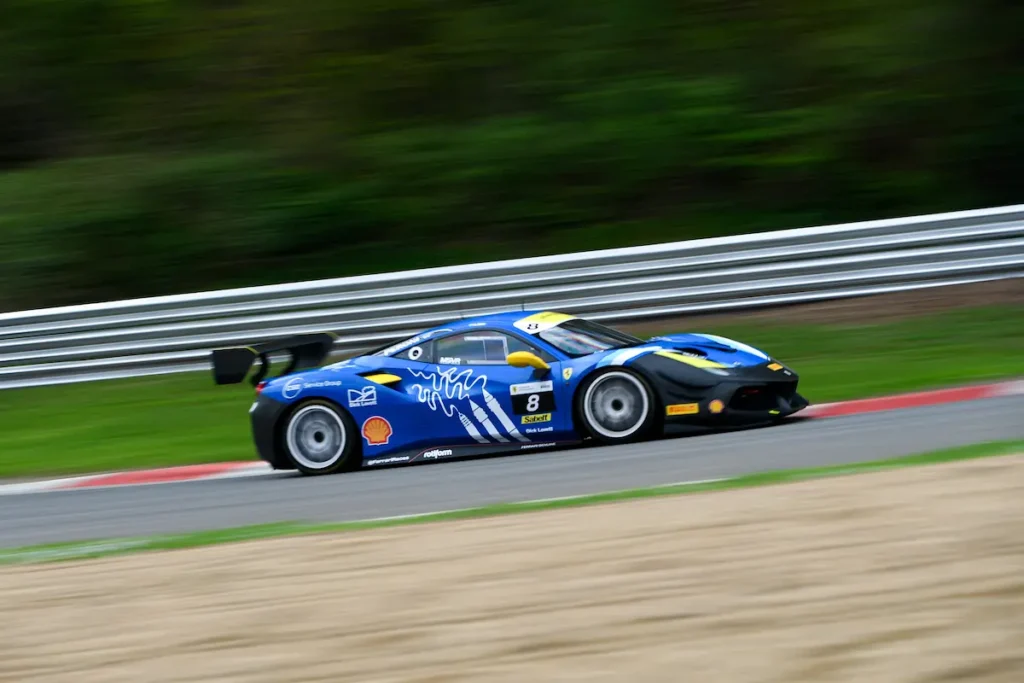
{"points": [[103, 548], [185, 419], [839, 362]]}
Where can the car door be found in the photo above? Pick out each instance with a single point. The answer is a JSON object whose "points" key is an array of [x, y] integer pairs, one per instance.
{"points": [[498, 404]]}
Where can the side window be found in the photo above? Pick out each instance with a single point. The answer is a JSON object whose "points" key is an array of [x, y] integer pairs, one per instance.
{"points": [[420, 352], [478, 347]]}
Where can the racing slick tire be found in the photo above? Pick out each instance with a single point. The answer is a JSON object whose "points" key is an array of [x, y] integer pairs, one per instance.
{"points": [[320, 438], [617, 406]]}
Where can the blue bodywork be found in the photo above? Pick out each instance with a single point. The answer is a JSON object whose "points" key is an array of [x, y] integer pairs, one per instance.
{"points": [[412, 401]]}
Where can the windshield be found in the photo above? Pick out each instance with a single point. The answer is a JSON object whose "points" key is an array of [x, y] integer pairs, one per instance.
{"points": [[582, 337]]}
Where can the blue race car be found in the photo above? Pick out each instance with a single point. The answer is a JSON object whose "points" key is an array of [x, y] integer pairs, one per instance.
{"points": [[514, 381]]}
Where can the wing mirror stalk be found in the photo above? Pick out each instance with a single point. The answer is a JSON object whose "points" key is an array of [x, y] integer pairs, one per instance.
{"points": [[525, 359]]}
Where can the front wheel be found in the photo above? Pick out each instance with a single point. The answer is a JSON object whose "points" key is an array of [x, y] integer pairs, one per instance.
{"points": [[617, 406], [319, 438]]}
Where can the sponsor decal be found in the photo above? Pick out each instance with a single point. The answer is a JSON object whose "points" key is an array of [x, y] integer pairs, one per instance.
{"points": [[387, 460], [531, 387], [321, 385], [415, 353], [377, 431], [540, 430], [477, 324], [437, 453], [539, 417], [532, 397], [566, 374], [296, 385], [292, 388], [539, 322], [682, 409], [716, 406], [362, 398], [450, 360], [527, 446], [775, 366]]}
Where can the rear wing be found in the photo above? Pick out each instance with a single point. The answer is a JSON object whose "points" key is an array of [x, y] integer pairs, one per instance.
{"points": [[231, 365]]}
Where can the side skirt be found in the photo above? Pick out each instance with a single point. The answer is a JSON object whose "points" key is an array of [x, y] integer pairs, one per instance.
{"points": [[437, 453]]}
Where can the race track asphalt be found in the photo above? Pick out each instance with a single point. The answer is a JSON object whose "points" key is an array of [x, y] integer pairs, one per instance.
{"points": [[190, 506]]}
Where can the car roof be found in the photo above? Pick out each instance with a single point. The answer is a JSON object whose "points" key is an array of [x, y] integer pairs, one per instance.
{"points": [[504, 320]]}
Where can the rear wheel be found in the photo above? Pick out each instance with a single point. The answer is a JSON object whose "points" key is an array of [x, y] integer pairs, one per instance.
{"points": [[617, 406], [319, 438]]}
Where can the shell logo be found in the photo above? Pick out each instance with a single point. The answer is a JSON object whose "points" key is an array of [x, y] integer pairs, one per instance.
{"points": [[376, 431]]}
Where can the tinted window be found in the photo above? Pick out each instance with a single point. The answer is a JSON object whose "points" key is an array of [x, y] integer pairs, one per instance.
{"points": [[478, 347], [421, 339]]}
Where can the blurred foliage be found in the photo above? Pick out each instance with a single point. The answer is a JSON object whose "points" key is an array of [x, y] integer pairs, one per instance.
{"points": [[150, 146]]}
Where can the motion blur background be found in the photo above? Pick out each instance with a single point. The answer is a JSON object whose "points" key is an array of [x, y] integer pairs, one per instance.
{"points": [[151, 147]]}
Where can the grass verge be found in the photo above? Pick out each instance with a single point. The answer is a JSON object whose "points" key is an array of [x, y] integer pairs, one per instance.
{"points": [[105, 548], [185, 419]]}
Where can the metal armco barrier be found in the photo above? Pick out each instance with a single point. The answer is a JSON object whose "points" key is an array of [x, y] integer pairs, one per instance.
{"points": [[176, 333]]}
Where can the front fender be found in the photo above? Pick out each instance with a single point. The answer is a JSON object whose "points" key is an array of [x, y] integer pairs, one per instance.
{"points": [[674, 382]]}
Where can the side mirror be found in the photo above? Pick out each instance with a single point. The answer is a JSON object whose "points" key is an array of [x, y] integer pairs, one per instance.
{"points": [[525, 359]]}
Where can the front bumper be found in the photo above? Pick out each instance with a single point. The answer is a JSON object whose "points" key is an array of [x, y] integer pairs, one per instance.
{"points": [[739, 403], [747, 396]]}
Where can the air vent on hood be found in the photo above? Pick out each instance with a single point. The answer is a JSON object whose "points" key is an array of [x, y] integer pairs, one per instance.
{"points": [[381, 377], [689, 351]]}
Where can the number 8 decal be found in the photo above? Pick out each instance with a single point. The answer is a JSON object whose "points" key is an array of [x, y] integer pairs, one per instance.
{"points": [[532, 397]]}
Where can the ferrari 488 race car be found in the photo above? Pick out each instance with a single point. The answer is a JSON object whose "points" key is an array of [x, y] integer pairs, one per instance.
{"points": [[512, 381]]}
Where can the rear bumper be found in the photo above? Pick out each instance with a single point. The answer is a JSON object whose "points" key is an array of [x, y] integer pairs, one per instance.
{"points": [[264, 416]]}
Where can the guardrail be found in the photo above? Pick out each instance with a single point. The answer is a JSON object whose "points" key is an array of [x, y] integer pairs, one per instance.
{"points": [[168, 334]]}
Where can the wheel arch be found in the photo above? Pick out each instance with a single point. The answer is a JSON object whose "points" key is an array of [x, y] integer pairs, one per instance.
{"points": [[657, 402], [282, 420]]}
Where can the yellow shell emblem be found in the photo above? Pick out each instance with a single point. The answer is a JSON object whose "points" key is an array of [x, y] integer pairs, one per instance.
{"points": [[376, 431]]}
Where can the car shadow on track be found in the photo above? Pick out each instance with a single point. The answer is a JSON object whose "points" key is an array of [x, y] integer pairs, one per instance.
{"points": [[587, 444]]}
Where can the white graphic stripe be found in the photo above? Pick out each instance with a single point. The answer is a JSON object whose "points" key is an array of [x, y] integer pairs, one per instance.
{"points": [[625, 355], [445, 387], [502, 416], [739, 346], [471, 429], [452, 385], [480, 415]]}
